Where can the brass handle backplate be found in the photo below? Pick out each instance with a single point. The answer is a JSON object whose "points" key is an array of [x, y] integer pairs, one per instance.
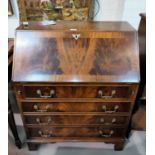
{"points": [[51, 94], [19, 92], [116, 107], [48, 121], [102, 120], [107, 123], [113, 120], [100, 94], [76, 36], [49, 134], [106, 135], [36, 108]]}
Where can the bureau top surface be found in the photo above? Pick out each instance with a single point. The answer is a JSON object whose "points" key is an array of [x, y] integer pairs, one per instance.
{"points": [[76, 52], [79, 26]]}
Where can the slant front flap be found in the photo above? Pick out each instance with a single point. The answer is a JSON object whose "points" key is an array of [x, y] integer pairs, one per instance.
{"points": [[53, 56]]}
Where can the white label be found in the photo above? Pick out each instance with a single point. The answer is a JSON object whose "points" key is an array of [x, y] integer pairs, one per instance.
{"points": [[73, 29]]}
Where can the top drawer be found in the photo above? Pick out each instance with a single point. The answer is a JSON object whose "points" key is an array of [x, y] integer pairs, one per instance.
{"points": [[104, 92]]}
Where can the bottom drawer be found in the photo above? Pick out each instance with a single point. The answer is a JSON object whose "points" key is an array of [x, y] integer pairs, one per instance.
{"points": [[48, 132]]}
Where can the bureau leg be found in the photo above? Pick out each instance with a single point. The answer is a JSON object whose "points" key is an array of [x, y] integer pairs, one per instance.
{"points": [[119, 146], [32, 146], [13, 128], [128, 130]]}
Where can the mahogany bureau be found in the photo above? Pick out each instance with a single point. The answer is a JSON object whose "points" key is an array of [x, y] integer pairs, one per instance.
{"points": [[76, 81]]}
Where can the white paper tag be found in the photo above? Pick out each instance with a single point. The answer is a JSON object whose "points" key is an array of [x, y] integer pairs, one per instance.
{"points": [[73, 29], [26, 23], [48, 22]]}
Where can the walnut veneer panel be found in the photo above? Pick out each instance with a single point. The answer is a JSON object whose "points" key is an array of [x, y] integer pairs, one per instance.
{"points": [[95, 55]]}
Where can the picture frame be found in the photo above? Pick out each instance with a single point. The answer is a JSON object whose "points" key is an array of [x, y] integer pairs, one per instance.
{"points": [[40, 10]]}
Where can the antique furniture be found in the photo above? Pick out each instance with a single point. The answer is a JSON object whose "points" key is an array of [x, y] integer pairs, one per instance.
{"points": [[76, 81], [10, 112], [139, 117], [142, 54], [39, 10]]}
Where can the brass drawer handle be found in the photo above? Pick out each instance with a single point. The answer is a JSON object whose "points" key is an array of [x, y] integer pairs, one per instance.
{"points": [[76, 36], [36, 108], [106, 135], [100, 94], [19, 92], [113, 120], [38, 120], [107, 123], [52, 93], [45, 135], [110, 111], [48, 121], [102, 120], [133, 92]]}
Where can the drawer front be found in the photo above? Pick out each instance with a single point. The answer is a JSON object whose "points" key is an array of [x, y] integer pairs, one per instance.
{"points": [[109, 107], [48, 132], [104, 92], [75, 120]]}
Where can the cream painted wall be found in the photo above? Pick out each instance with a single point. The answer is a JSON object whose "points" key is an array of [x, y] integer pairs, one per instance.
{"points": [[12, 25], [132, 9], [110, 10], [121, 10], [13, 21]]}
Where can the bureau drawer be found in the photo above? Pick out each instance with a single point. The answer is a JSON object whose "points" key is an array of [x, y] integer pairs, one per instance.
{"points": [[76, 120], [104, 92], [108, 107], [48, 132]]}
